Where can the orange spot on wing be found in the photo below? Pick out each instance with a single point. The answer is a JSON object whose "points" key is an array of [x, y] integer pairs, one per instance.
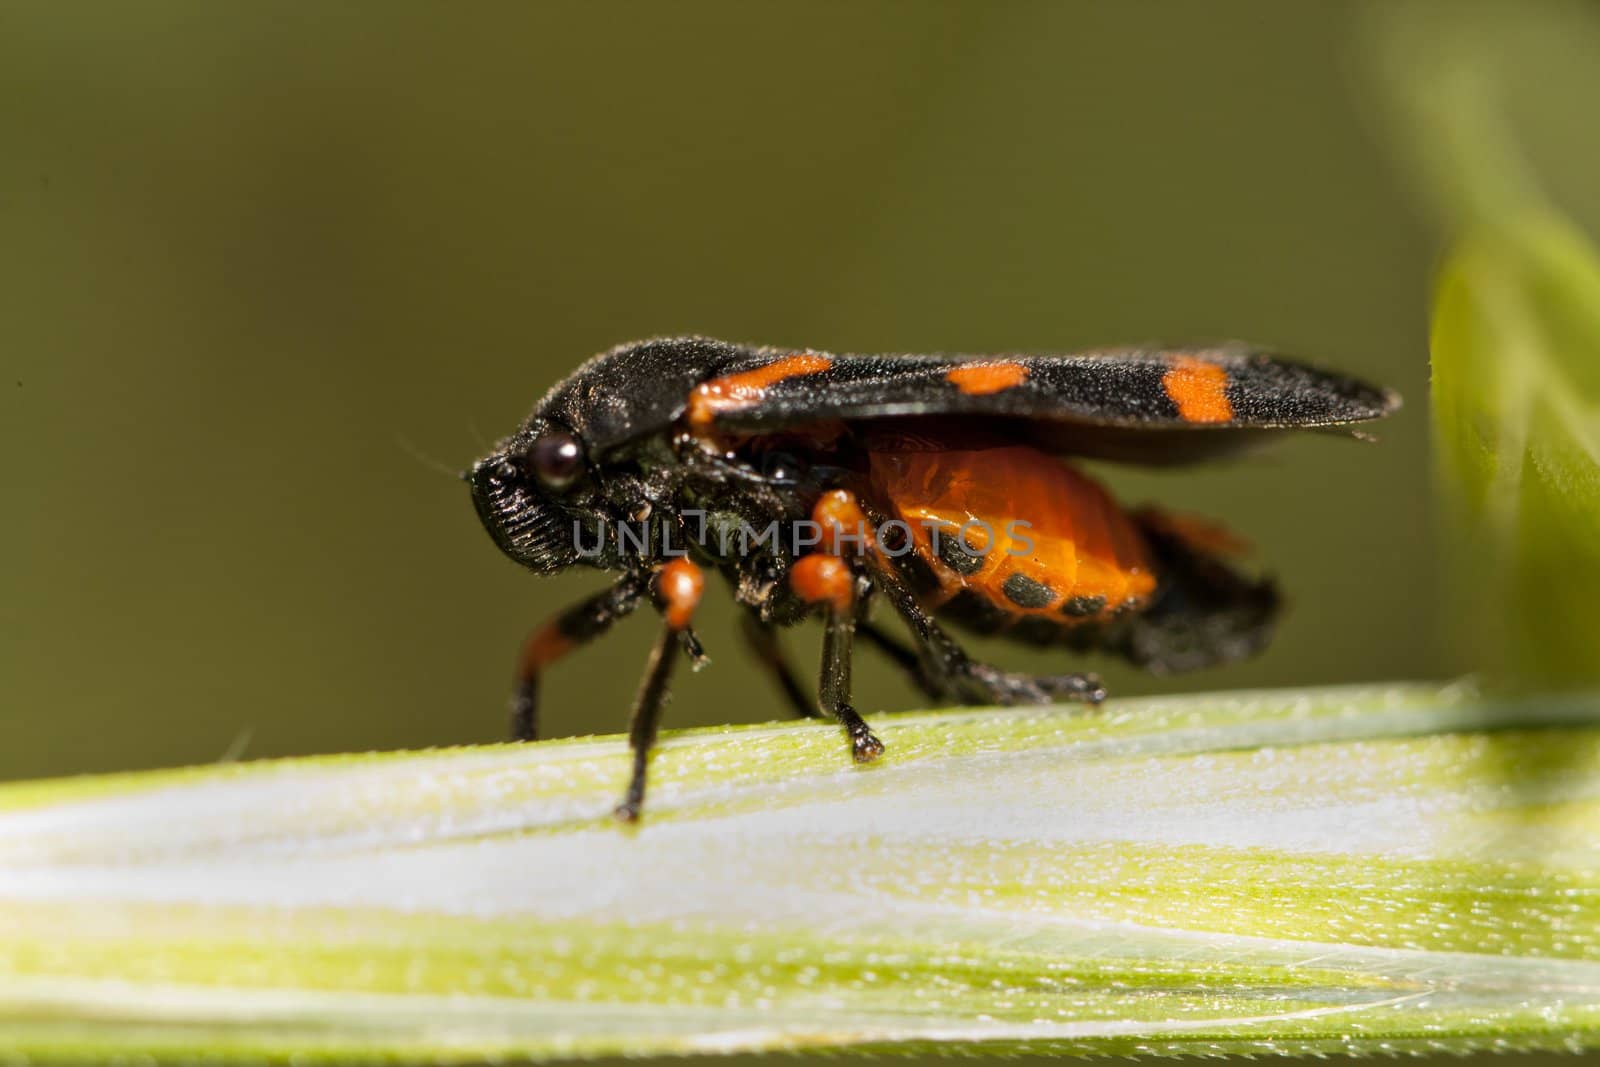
{"points": [[1199, 389], [736, 391], [981, 379]]}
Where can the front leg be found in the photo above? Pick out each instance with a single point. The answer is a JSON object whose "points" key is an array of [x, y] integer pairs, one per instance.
{"points": [[678, 586], [571, 629]]}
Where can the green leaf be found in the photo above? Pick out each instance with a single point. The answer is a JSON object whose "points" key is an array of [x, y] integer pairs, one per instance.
{"points": [[1345, 869], [1516, 391], [1516, 326]]}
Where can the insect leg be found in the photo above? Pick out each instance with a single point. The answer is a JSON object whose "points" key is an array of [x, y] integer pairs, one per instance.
{"points": [[572, 628], [937, 661], [988, 684], [825, 578], [828, 580], [678, 586], [959, 676], [833, 692], [762, 640]]}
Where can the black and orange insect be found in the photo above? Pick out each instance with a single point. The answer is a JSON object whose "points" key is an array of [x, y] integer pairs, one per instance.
{"points": [[820, 484]]}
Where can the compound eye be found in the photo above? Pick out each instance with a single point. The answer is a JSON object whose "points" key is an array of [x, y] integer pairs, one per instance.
{"points": [[557, 460]]}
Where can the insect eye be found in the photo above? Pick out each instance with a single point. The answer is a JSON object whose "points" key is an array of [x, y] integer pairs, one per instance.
{"points": [[557, 460]]}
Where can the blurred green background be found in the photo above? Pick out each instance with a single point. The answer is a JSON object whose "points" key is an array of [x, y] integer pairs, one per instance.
{"points": [[270, 272]]}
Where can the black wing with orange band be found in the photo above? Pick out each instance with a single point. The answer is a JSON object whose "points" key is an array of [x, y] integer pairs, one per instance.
{"points": [[1139, 405]]}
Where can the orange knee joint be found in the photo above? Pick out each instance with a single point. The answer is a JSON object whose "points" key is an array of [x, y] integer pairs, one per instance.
{"points": [[678, 587], [821, 579], [844, 524]]}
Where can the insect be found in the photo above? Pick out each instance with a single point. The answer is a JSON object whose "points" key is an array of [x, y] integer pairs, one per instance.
{"points": [[820, 484]]}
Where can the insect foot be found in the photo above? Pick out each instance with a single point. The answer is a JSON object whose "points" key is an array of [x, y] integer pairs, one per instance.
{"points": [[864, 744]]}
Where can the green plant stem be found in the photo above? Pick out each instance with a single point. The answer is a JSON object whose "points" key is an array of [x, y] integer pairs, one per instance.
{"points": [[1399, 867]]}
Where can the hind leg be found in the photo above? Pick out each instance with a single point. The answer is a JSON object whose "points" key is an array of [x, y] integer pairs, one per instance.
{"points": [[947, 671], [943, 670], [984, 683]]}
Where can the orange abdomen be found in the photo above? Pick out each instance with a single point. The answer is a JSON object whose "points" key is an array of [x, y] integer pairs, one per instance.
{"points": [[1061, 547]]}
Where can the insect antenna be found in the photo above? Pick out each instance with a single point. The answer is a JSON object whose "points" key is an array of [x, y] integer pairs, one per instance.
{"points": [[426, 460]]}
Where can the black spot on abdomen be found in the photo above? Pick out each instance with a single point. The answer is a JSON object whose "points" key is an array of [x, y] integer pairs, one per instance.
{"points": [[1081, 606], [953, 553], [1024, 592]]}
